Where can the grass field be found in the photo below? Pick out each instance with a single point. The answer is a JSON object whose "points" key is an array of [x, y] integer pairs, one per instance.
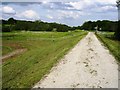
{"points": [[113, 45], [44, 49]]}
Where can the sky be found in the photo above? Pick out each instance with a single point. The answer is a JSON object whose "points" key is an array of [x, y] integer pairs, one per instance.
{"points": [[70, 12]]}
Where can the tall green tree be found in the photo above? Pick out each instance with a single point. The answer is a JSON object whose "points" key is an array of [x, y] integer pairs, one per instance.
{"points": [[11, 21], [117, 33]]}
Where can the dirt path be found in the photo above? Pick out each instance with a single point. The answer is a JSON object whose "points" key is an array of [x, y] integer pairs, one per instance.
{"points": [[16, 52], [87, 65]]}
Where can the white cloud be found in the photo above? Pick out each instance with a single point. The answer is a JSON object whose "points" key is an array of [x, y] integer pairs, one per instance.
{"points": [[45, 1], [49, 17], [105, 1], [69, 14], [105, 8], [29, 14], [81, 4], [8, 10]]}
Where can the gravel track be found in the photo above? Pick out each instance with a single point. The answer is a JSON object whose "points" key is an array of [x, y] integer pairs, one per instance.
{"points": [[88, 65]]}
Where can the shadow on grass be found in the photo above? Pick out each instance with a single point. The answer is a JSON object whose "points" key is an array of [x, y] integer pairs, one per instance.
{"points": [[111, 37]]}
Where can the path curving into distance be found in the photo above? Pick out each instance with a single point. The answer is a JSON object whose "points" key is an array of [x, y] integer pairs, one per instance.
{"points": [[88, 65]]}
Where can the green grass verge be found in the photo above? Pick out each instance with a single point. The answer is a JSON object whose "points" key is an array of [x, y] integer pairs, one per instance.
{"points": [[6, 50], [113, 45], [44, 50]]}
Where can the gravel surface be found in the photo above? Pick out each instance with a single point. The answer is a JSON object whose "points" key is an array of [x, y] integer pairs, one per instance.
{"points": [[88, 65]]}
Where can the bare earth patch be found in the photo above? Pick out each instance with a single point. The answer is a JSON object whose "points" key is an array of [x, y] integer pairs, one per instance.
{"points": [[14, 53], [87, 65]]}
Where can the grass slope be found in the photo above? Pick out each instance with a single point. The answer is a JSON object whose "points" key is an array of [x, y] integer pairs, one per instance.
{"points": [[44, 49], [113, 45]]}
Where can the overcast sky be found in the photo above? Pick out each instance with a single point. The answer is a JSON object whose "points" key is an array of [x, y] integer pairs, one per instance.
{"points": [[70, 12]]}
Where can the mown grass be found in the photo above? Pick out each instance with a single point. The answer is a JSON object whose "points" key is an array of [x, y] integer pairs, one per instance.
{"points": [[113, 45], [43, 51], [13, 37]]}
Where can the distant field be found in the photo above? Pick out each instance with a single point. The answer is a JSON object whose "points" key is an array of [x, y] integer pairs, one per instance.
{"points": [[113, 45], [44, 49]]}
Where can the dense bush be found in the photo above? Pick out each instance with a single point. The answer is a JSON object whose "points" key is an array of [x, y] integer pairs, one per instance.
{"points": [[6, 28]]}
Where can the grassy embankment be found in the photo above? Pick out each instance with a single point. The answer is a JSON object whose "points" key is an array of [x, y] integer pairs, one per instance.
{"points": [[44, 49], [113, 45]]}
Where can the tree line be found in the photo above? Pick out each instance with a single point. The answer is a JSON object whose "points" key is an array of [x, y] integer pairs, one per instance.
{"points": [[104, 25], [18, 25]]}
